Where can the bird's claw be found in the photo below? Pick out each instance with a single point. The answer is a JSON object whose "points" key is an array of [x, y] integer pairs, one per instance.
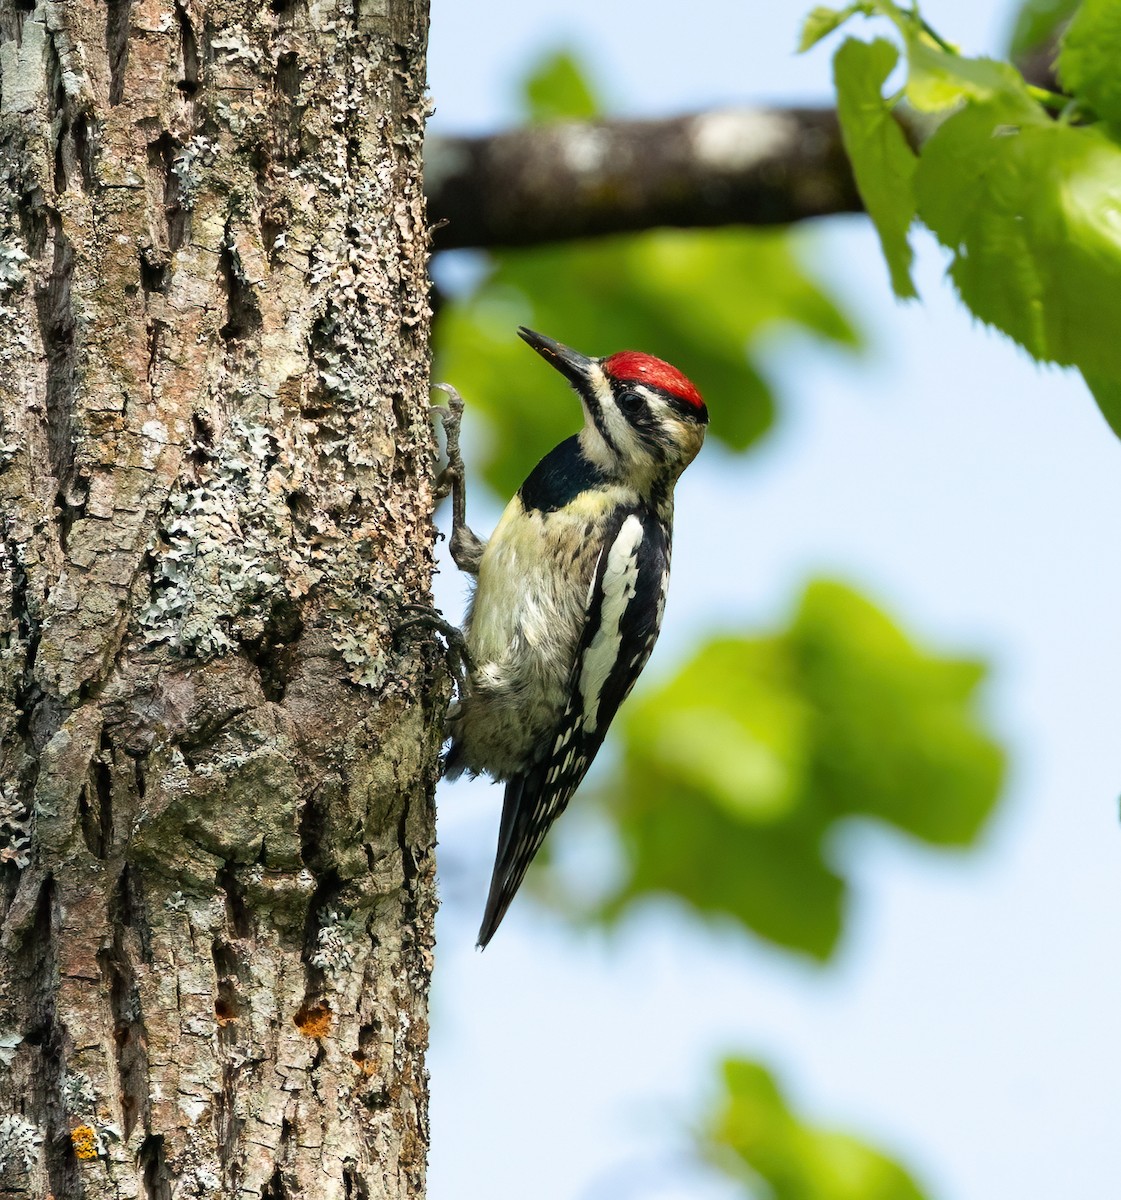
{"points": [[466, 547], [451, 417], [458, 657]]}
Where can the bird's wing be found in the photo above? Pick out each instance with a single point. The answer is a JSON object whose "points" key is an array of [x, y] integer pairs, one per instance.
{"points": [[624, 612]]}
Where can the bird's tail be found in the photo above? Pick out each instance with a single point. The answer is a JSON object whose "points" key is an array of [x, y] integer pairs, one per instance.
{"points": [[526, 818]]}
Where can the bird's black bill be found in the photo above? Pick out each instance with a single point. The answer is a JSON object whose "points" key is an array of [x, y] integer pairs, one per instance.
{"points": [[575, 367]]}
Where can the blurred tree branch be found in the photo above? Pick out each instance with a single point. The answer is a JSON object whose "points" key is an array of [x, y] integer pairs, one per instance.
{"points": [[734, 166], [747, 166]]}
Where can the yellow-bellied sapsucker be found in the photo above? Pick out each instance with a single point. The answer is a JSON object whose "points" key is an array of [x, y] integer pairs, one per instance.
{"points": [[570, 593]]}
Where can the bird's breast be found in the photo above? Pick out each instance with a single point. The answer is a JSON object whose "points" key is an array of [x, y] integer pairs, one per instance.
{"points": [[534, 579]]}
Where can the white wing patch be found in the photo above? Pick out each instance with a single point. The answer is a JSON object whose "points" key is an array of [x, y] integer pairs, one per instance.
{"points": [[620, 580]]}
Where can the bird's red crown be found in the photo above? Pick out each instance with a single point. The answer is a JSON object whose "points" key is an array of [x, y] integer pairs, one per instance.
{"points": [[632, 366]]}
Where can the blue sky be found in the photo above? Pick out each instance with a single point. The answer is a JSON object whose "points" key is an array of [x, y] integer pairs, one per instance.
{"points": [[969, 1022]]}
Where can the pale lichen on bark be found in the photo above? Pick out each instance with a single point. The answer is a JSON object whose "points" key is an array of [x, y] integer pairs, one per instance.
{"points": [[215, 485]]}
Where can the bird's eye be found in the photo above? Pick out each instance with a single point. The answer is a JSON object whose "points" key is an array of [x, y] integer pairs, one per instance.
{"points": [[631, 403]]}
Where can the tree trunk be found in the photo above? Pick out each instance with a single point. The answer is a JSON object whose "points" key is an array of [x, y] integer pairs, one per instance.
{"points": [[218, 750]]}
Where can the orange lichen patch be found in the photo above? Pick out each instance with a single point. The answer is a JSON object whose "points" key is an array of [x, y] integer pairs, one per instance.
{"points": [[366, 1065], [85, 1142], [313, 1020]]}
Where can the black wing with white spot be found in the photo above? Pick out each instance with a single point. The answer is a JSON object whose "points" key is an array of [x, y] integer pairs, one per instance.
{"points": [[625, 605]]}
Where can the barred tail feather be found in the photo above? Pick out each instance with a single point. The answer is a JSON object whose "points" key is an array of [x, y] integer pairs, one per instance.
{"points": [[527, 812]]}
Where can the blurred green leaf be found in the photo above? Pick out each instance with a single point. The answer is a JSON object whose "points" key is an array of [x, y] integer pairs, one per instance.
{"points": [[821, 22], [704, 301], [558, 89], [1090, 60], [883, 163], [1035, 23], [756, 1137], [737, 770], [1031, 209]]}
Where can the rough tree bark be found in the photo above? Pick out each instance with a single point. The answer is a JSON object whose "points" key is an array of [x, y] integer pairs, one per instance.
{"points": [[218, 757]]}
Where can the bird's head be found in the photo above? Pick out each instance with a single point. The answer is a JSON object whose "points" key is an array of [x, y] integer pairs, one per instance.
{"points": [[643, 420]]}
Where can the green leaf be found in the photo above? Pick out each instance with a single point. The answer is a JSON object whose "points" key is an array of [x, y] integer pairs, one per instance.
{"points": [[1107, 393], [1036, 22], [1091, 55], [898, 736], [882, 162], [821, 22], [736, 771], [558, 89], [1031, 209], [704, 301], [755, 1135], [937, 80], [938, 77]]}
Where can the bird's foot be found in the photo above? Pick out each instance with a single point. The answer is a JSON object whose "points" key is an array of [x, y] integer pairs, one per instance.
{"points": [[456, 653], [451, 418], [466, 547]]}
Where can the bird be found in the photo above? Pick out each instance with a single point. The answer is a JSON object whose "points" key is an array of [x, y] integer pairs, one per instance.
{"points": [[570, 591]]}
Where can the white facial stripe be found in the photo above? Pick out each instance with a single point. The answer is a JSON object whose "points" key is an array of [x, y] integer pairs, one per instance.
{"points": [[669, 424], [615, 439], [620, 581], [592, 440], [601, 387], [618, 429], [630, 446]]}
